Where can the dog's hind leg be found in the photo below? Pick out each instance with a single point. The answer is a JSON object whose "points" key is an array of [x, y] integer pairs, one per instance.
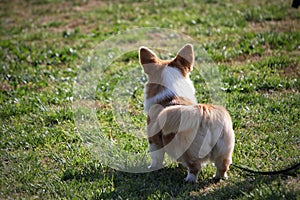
{"points": [[222, 165], [193, 171]]}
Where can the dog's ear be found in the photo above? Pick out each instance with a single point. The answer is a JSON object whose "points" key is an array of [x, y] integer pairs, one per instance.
{"points": [[147, 59], [147, 56], [185, 56]]}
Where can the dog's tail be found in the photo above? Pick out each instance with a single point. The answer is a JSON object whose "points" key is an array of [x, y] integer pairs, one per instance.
{"points": [[177, 119]]}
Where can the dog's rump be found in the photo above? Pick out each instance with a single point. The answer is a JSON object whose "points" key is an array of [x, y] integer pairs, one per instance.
{"points": [[199, 126]]}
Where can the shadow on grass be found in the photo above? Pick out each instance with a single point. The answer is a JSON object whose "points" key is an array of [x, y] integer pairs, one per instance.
{"points": [[263, 186], [168, 183]]}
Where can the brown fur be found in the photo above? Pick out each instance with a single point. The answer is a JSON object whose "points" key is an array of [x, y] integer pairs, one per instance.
{"points": [[152, 89], [182, 64]]}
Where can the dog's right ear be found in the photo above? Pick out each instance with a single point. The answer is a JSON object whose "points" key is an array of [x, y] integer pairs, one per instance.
{"points": [[185, 57], [147, 59]]}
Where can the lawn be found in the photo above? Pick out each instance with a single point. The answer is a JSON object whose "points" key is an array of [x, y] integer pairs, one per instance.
{"points": [[62, 140]]}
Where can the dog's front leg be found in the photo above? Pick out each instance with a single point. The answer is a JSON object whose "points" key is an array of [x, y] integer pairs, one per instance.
{"points": [[157, 156], [194, 168]]}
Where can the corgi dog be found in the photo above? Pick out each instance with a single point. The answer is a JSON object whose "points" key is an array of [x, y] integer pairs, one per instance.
{"points": [[190, 133]]}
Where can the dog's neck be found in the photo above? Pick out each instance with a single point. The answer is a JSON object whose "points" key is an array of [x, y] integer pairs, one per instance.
{"points": [[178, 90]]}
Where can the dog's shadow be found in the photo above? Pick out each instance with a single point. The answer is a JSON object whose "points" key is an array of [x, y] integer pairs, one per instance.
{"points": [[166, 183]]}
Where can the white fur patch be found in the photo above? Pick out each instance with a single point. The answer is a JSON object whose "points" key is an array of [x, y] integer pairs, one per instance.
{"points": [[178, 84], [191, 178], [157, 157]]}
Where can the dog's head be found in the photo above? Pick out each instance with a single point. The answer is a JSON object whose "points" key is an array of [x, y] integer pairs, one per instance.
{"points": [[167, 78], [153, 66]]}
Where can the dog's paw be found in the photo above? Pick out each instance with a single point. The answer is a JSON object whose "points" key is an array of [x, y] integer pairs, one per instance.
{"points": [[219, 178], [191, 178]]}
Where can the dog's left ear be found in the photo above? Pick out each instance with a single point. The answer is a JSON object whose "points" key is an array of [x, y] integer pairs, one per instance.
{"points": [[148, 59], [186, 56]]}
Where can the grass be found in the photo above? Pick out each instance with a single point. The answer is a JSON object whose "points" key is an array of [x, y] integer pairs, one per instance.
{"points": [[255, 45]]}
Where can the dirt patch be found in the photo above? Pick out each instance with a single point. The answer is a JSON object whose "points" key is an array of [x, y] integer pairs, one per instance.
{"points": [[5, 87], [292, 71], [70, 16], [53, 16], [91, 4], [278, 26], [246, 58]]}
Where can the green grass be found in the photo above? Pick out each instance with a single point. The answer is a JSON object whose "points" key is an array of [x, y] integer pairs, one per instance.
{"points": [[255, 46]]}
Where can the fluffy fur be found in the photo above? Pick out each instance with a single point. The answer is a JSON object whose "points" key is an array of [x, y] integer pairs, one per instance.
{"points": [[189, 132]]}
